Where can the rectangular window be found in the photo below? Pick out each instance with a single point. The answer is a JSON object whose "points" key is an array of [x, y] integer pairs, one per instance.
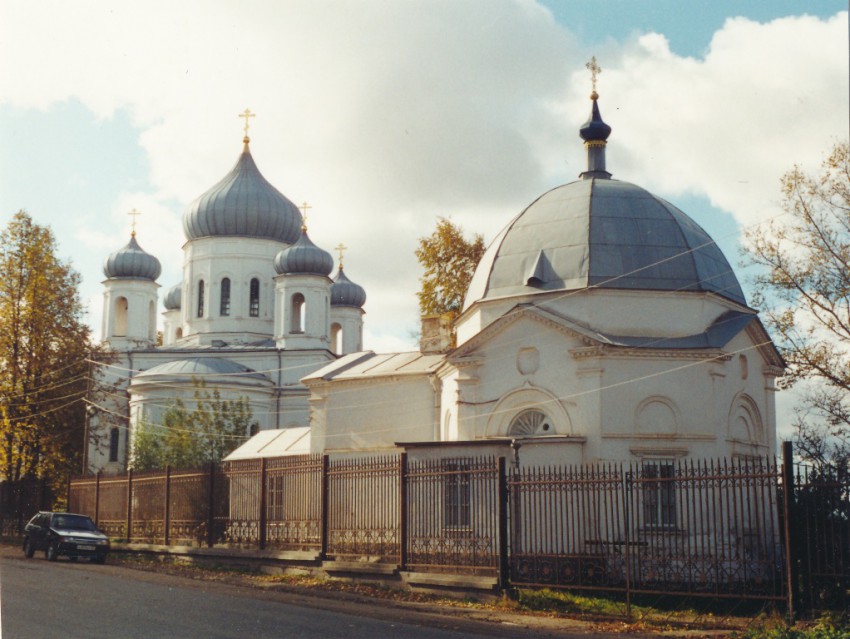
{"points": [[659, 493], [456, 494], [114, 438]]}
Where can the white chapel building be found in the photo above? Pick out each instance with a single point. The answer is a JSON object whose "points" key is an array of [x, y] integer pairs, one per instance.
{"points": [[602, 324]]}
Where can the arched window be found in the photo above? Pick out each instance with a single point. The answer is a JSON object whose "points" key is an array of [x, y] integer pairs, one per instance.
{"points": [[201, 298], [254, 303], [121, 312], [529, 423], [179, 333], [336, 338], [114, 439], [298, 309], [224, 306]]}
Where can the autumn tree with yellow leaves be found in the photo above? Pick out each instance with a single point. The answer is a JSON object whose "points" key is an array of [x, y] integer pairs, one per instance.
{"points": [[803, 288], [44, 343]]}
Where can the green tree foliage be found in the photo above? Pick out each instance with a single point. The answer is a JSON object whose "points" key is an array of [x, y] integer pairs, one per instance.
{"points": [[449, 261], [804, 290], [44, 343], [190, 438]]}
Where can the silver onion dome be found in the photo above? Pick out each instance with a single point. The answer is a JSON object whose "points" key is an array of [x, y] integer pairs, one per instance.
{"points": [[303, 257], [132, 262], [344, 292], [243, 204], [173, 298]]}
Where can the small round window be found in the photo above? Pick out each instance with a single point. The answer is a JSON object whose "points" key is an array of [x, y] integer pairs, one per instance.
{"points": [[530, 422]]}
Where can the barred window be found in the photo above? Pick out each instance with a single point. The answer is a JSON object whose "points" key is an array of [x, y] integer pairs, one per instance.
{"points": [[659, 493], [456, 494]]}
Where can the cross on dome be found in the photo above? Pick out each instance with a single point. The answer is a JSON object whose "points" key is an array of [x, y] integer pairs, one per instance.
{"points": [[595, 70], [247, 114], [340, 249], [304, 208], [134, 213]]}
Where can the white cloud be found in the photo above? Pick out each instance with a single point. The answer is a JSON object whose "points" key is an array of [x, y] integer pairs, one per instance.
{"points": [[384, 115]]}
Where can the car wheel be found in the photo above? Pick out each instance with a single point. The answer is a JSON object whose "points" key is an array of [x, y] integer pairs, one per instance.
{"points": [[99, 559], [52, 552], [29, 551], [73, 558]]}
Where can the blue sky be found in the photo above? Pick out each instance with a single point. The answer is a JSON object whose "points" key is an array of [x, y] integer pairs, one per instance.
{"points": [[385, 115]]}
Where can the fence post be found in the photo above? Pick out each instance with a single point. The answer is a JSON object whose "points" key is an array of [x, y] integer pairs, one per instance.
{"points": [[626, 476], [263, 500], [211, 507], [791, 565], [325, 505], [402, 510], [97, 498], [129, 505], [3, 486], [167, 515], [504, 564]]}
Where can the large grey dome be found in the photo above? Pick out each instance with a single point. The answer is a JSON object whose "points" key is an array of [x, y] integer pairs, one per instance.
{"points": [[243, 204], [303, 257], [132, 262], [602, 233], [204, 368], [344, 292]]}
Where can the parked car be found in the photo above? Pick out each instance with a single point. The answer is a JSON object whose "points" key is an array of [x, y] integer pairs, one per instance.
{"points": [[65, 534]]}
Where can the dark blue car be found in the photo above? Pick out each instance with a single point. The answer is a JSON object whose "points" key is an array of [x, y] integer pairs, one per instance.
{"points": [[65, 534]]}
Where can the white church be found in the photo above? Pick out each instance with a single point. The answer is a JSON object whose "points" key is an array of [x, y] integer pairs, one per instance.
{"points": [[602, 324]]}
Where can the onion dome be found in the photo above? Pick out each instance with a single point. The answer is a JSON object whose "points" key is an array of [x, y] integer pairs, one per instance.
{"points": [[132, 262], [594, 130], [303, 257], [601, 233], [243, 204], [344, 292], [173, 298]]}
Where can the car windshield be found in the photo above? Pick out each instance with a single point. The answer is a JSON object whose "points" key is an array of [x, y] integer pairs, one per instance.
{"points": [[73, 522]]}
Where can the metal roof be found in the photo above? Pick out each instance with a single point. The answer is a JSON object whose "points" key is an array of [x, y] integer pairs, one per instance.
{"points": [[602, 233], [132, 262], [204, 367], [243, 204]]}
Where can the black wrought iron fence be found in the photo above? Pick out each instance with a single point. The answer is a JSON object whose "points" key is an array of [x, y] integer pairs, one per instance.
{"points": [[724, 528], [19, 501], [822, 519]]}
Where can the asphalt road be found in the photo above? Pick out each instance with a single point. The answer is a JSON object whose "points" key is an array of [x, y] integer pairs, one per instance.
{"points": [[43, 600]]}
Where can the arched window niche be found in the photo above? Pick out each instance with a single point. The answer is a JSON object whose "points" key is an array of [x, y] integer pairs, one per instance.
{"points": [[121, 313], [297, 307], [336, 338], [525, 412]]}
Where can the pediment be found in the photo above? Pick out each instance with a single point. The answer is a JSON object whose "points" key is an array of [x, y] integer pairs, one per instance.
{"points": [[541, 317]]}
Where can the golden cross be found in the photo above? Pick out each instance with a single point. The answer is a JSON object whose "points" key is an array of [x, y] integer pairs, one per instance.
{"points": [[340, 248], [247, 114], [134, 213], [304, 208], [595, 70]]}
